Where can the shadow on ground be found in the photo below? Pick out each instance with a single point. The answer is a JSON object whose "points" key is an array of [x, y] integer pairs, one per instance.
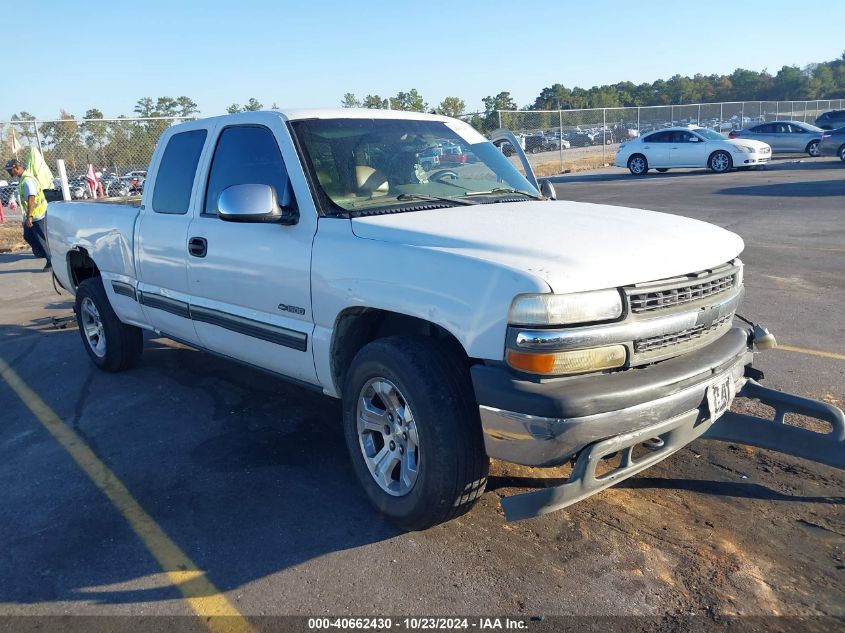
{"points": [[246, 474]]}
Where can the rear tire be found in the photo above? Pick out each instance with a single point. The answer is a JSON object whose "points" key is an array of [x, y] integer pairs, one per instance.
{"points": [[841, 153], [638, 165], [813, 149], [427, 409], [720, 162], [111, 344]]}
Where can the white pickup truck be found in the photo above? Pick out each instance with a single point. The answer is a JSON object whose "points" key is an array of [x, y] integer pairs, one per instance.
{"points": [[458, 313]]}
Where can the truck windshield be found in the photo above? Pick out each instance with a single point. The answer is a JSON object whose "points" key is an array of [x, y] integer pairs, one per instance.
{"points": [[372, 165]]}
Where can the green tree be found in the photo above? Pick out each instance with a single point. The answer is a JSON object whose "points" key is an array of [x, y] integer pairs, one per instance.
{"points": [[253, 105], [350, 101], [234, 108], [502, 101], [451, 106], [186, 106], [63, 139], [409, 101], [375, 102]]}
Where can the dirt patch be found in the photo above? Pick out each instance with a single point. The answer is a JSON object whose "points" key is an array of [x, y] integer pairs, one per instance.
{"points": [[11, 237]]}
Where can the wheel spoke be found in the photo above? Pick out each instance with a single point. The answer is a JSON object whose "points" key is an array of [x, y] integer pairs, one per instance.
{"points": [[371, 418], [407, 471], [388, 396], [383, 463]]}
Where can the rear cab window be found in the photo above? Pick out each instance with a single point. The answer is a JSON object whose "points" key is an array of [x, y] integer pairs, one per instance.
{"points": [[177, 171]]}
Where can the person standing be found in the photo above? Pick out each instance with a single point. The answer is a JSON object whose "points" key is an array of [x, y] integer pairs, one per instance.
{"points": [[34, 207]]}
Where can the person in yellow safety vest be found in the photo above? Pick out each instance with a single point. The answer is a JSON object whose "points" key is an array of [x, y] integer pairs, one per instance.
{"points": [[34, 206]]}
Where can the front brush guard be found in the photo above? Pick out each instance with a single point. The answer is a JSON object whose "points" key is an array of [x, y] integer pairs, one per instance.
{"points": [[738, 428], [777, 435]]}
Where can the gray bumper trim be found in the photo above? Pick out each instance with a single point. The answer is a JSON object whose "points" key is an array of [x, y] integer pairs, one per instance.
{"points": [[539, 441], [583, 482]]}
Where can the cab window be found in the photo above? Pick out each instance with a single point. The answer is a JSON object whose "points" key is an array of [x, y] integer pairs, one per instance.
{"points": [[247, 154]]}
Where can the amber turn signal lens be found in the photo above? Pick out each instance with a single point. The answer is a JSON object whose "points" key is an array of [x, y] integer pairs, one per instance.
{"points": [[533, 363], [577, 361]]}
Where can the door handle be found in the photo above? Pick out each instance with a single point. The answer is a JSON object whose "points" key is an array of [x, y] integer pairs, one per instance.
{"points": [[197, 246]]}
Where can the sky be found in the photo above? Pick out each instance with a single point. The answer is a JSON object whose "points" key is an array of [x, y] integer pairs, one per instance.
{"points": [[308, 54]]}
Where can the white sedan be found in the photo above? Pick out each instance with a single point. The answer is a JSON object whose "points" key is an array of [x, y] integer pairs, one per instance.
{"points": [[690, 147]]}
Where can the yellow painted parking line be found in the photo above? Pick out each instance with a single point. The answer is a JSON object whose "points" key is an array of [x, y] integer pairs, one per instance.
{"points": [[811, 352], [829, 249], [219, 615]]}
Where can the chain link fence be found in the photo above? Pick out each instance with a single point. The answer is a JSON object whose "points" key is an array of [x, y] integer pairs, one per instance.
{"points": [[119, 150], [557, 141]]}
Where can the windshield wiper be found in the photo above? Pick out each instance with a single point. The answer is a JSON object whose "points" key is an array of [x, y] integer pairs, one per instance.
{"points": [[403, 197], [499, 190]]}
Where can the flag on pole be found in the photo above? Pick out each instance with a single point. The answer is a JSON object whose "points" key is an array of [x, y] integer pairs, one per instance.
{"points": [[94, 182], [16, 147]]}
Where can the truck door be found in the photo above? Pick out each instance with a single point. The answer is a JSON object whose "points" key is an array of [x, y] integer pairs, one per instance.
{"points": [[161, 236], [251, 282]]}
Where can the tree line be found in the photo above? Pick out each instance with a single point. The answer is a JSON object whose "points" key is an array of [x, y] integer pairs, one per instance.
{"points": [[825, 80], [117, 145]]}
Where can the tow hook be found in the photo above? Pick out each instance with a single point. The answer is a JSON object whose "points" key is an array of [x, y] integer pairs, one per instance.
{"points": [[760, 335]]}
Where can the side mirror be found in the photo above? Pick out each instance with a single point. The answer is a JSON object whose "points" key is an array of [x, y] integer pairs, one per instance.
{"points": [[548, 189], [253, 203]]}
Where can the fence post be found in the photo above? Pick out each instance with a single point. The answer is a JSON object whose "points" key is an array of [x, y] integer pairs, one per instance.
{"points": [[741, 114], [698, 118], [805, 112], [60, 164], [777, 110], [639, 134], [672, 114], [560, 145], [603, 135], [721, 115], [38, 137], [499, 112]]}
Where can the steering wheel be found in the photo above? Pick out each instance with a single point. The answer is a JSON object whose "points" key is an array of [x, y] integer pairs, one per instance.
{"points": [[443, 173]]}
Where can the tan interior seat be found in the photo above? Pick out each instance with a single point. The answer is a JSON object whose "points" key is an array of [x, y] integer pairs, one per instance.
{"points": [[371, 180]]}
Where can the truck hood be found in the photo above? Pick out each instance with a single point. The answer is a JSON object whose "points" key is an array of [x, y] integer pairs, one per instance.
{"points": [[572, 246]]}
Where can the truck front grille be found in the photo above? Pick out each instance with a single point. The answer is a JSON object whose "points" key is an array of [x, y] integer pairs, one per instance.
{"points": [[650, 300], [676, 338]]}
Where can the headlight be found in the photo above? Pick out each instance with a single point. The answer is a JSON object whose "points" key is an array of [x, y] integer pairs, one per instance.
{"points": [[578, 307], [571, 362], [745, 149]]}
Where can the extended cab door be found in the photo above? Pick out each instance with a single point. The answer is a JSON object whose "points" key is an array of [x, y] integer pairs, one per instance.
{"points": [[251, 282], [161, 235]]}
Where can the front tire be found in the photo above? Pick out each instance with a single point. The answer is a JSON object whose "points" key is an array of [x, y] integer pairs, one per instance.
{"points": [[111, 344], [413, 431], [841, 153], [638, 165], [720, 162], [813, 149]]}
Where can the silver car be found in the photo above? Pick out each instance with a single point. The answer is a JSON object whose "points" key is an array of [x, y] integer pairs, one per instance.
{"points": [[833, 143], [785, 136]]}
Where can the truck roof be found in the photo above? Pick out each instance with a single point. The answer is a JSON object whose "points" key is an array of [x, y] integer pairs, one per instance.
{"points": [[329, 113]]}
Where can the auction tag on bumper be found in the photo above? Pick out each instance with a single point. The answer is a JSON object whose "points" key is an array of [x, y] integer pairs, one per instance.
{"points": [[720, 394]]}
